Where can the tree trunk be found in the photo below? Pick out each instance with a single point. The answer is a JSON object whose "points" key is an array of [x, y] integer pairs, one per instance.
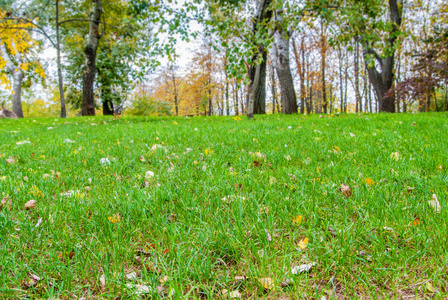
{"points": [[280, 61], [236, 98], [383, 81], [88, 76], [17, 76], [446, 98], [346, 85], [301, 70], [253, 92], [323, 65], [210, 100], [273, 89], [257, 70], [60, 79], [108, 108], [341, 80], [356, 56], [176, 101]]}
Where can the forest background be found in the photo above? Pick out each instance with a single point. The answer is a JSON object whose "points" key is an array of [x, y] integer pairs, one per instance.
{"points": [[67, 58]]}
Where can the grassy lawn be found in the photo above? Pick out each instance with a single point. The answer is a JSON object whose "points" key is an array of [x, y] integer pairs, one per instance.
{"points": [[215, 208]]}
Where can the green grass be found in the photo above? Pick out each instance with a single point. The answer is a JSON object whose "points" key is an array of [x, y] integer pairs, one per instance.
{"points": [[177, 223]]}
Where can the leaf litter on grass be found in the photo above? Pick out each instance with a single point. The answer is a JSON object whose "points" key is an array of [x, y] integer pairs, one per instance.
{"points": [[207, 239]]}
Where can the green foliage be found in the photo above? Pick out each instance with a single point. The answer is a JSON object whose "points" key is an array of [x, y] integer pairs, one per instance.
{"points": [[141, 105]]}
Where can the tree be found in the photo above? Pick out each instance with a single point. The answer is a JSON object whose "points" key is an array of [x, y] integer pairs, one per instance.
{"points": [[88, 76], [17, 55], [382, 80], [280, 61]]}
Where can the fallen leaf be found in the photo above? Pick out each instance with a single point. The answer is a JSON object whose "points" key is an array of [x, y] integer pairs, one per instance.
{"points": [[10, 160], [346, 190], [102, 282], [416, 221], [142, 158], [395, 156], [231, 295], [34, 279], [131, 276], [114, 218], [302, 268], [285, 283], [267, 283], [268, 236], [5, 202], [105, 162], [303, 244], [139, 288], [429, 287], [163, 279], [369, 181], [298, 220], [435, 203], [30, 205], [149, 174]]}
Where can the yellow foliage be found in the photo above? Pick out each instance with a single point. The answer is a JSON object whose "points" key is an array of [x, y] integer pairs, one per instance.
{"points": [[18, 42]]}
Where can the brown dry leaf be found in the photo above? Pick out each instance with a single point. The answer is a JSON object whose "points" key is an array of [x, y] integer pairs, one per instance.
{"points": [[5, 202], [142, 158], [268, 235], [34, 279], [131, 276], [267, 283], [346, 190], [102, 282], [410, 189], [172, 218], [30, 205], [231, 295], [163, 279], [285, 283], [10, 160], [264, 209], [435, 203]]}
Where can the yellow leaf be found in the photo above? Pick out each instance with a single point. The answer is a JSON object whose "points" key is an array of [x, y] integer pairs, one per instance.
{"points": [[114, 219], [267, 283], [298, 220], [368, 181], [303, 244]]}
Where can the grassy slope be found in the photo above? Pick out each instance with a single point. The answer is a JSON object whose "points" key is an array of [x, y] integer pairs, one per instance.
{"points": [[208, 240]]}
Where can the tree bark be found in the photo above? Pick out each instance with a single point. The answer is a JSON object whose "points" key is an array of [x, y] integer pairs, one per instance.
{"points": [[60, 79], [356, 61], [257, 71], [323, 65], [341, 80], [235, 90], [88, 76], [273, 89], [383, 81], [17, 76], [280, 61], [108, 108]]}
